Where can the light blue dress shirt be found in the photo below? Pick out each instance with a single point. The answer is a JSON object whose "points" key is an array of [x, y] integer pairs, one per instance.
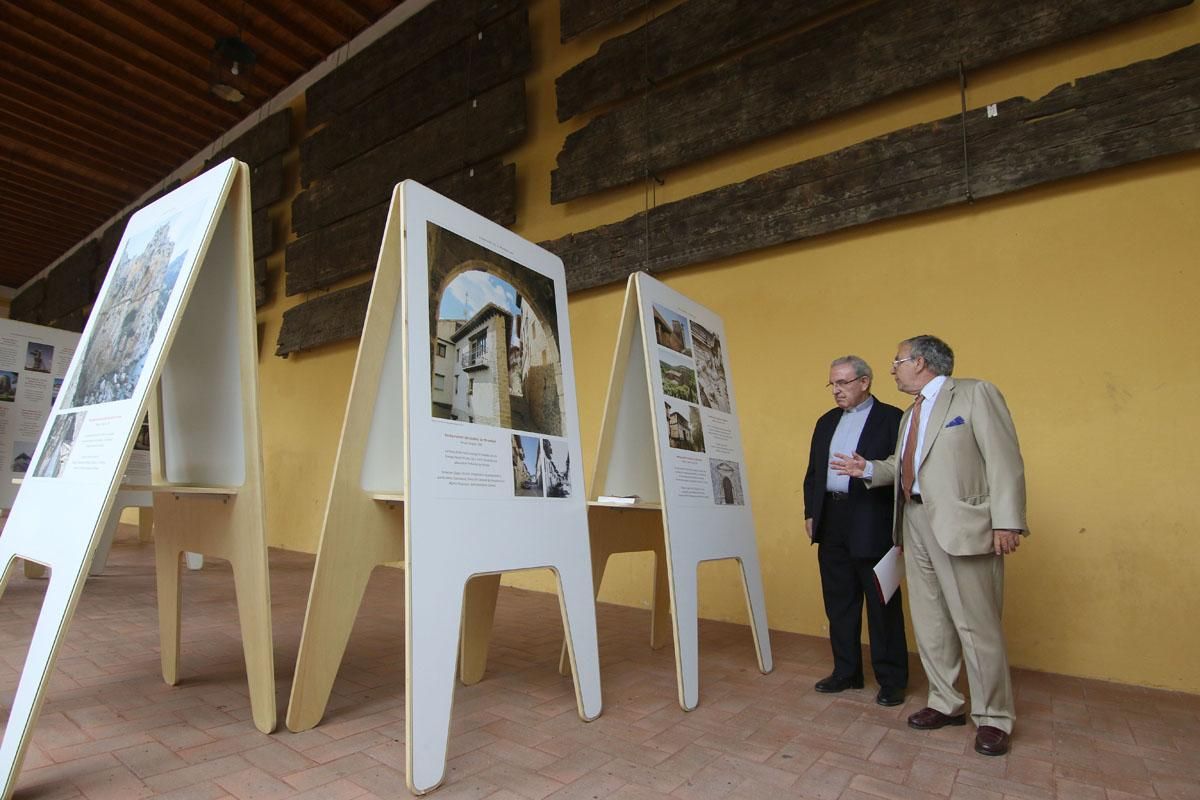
{"points": [[845, 440]]}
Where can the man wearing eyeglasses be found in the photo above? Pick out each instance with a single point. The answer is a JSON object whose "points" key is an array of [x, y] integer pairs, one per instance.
{"points": [[853, 527], [959, 486]]}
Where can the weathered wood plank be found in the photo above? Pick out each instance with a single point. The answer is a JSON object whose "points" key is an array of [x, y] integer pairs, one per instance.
{"points": [[271, 137], [467, 134], [26, 306], [351, 246], [580, 16], [75, 321], [263, 229], [874, 52], [692, 33], [330, 318], [1122, 116], [69, 285], [266, 183], [418, 39], [260, 283], [470, 66]]}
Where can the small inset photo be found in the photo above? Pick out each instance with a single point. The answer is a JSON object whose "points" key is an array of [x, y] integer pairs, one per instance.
{"points": [[684, 431], [8, 386], [22, 455], [556, 467], [710, 368], [678, 376], [671, 330], [39, 357], [527, 466], [63, 432], [727, 482]]}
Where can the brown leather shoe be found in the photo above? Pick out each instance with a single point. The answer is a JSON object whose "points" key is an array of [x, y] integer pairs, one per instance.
{"points": [[930, 719], [991, 741]]}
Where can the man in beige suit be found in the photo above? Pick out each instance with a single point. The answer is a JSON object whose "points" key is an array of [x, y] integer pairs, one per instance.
{"points": [[960, 508]]}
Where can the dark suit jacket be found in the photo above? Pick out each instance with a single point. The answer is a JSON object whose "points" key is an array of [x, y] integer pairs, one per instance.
{"points": [[870, 533]]}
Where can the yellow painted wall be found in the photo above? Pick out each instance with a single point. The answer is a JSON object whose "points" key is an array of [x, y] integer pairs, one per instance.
{"points": [[1078, 300]]}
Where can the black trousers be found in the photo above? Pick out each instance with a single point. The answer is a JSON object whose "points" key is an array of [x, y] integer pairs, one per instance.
{"points": [[845, 581]]}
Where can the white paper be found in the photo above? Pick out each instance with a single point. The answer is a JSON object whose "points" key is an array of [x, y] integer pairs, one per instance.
{"points": [[889, 572]]}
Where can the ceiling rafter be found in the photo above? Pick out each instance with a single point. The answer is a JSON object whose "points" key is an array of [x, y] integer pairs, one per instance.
{"points": [[102, 100]]}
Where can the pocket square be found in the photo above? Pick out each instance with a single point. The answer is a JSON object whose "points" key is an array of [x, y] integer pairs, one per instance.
{"points": [[955, 421]]}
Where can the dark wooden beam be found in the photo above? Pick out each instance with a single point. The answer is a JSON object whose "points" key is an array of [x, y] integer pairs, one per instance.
{"points": [[580, 16], [857, 59], [467, 134], [27, 304], [469, 66], [69, 285], [271, 137], [687, 36], [416, 40], [1123, 116], [351, 246], [333, 317]]}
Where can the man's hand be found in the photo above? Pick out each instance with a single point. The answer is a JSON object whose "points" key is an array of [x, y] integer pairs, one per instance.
{"points": [[854, 465], [1006, 541], [808, 528]]}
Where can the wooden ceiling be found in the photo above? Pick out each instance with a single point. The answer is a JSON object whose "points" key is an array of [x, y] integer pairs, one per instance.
{"points": [[102, 99]]}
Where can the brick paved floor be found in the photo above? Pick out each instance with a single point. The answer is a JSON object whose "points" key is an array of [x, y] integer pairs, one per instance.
{"points": [[110, 728]]}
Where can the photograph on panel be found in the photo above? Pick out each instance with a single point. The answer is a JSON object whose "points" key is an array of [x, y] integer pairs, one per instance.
{"points": [[556, 467], [140, 286], [726, 482], [527, 466], [710, 368], [671, 330], [678, 376], [8, 385], [684, 431], [63, 432], [22, 455], [494, 344], [55, 390], [39, 357]]}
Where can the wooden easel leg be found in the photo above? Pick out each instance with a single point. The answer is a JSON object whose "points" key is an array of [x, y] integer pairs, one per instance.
{"points": [[756, 604], [166, 565], [660, 611], [145, 524], [339, 580], [106, 541], [61, 593], [479, 613], [433, 616], [687, 634], [577, 599], [254, 615]]}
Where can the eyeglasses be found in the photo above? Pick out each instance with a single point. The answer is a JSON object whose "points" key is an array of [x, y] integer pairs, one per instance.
{"points": [[897, 362], [843, 384]]}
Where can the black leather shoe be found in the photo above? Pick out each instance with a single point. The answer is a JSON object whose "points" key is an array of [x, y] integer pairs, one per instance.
{"points": [[834, 684], [890, 696], [930, 719], [991, 741]]}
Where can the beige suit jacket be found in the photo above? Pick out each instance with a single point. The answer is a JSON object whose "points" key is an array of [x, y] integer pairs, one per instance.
{"points": [[971, 474]]}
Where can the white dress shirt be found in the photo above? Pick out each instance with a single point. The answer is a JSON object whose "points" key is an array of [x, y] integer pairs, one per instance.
{"points": [[930, 392]]}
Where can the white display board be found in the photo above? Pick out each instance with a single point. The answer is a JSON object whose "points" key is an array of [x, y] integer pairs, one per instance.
{"points": [[462, 410], [671, 438], [489, 486], [33, 364], [77, 467]]}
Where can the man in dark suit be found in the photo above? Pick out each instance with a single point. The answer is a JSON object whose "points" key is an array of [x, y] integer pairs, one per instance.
{"points": [[853, 527]]}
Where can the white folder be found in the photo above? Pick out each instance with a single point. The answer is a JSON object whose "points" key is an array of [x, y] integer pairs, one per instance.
{"points": [[889, 572]]}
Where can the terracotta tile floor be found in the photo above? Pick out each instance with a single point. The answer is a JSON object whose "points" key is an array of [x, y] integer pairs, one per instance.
{"points": [[110, 728]]}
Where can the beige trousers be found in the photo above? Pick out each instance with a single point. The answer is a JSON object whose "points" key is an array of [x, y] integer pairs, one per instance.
{"points": [[956, 602]]}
